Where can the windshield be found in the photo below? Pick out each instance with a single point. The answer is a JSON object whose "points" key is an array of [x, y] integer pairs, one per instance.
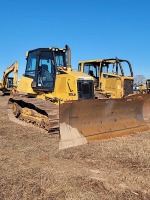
{"points": [[46, 70], [91, 69], [118, 67], [111, 67], [46, 60], [31, 64]]}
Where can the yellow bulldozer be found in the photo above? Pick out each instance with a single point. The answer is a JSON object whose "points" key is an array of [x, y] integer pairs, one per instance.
{"points": [[109, 77], [59, 100], [144, 88], [7, 84]]}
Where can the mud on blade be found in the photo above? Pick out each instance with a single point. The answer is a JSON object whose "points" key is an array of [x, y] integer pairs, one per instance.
{"points": [[89, 120]]}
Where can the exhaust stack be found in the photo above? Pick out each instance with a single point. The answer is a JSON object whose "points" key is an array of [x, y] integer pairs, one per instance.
{"points": [[68, 57]]}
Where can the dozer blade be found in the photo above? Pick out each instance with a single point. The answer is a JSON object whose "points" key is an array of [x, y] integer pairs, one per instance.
{"points": [[89, 120]]}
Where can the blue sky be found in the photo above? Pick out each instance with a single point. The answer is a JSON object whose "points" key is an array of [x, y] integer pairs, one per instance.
{"points": [[93, 29]]}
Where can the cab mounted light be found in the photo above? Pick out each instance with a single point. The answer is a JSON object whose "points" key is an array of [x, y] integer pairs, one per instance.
{"points": [[64, 68], [55, 49]]}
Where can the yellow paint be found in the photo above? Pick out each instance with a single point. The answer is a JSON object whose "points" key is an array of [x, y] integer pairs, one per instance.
{"points": [[65, 86], [108, 84]]}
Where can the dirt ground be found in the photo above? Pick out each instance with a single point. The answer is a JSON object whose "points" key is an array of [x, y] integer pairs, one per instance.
{"points": [[32, 166]]}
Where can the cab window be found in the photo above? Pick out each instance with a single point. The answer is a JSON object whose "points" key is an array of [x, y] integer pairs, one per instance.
{"points": [[31, 64]]}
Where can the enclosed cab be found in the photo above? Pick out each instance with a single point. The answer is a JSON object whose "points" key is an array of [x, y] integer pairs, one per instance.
{"points": [[49, 75]]}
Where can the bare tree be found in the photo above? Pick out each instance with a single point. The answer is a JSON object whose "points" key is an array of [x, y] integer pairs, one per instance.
{"points": [[139, 80]]}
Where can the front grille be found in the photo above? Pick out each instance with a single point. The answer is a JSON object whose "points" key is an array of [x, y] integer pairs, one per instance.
{"points": [[128, 87], [85, 89]]}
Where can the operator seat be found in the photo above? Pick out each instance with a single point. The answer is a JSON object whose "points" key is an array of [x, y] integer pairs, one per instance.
{"points": [[91, 73], [44, 67], [47, 78]]}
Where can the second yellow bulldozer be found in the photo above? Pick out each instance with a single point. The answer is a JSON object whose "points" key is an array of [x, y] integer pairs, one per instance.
{"points": [[62, 101], [109, 76], [144, 88]]}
